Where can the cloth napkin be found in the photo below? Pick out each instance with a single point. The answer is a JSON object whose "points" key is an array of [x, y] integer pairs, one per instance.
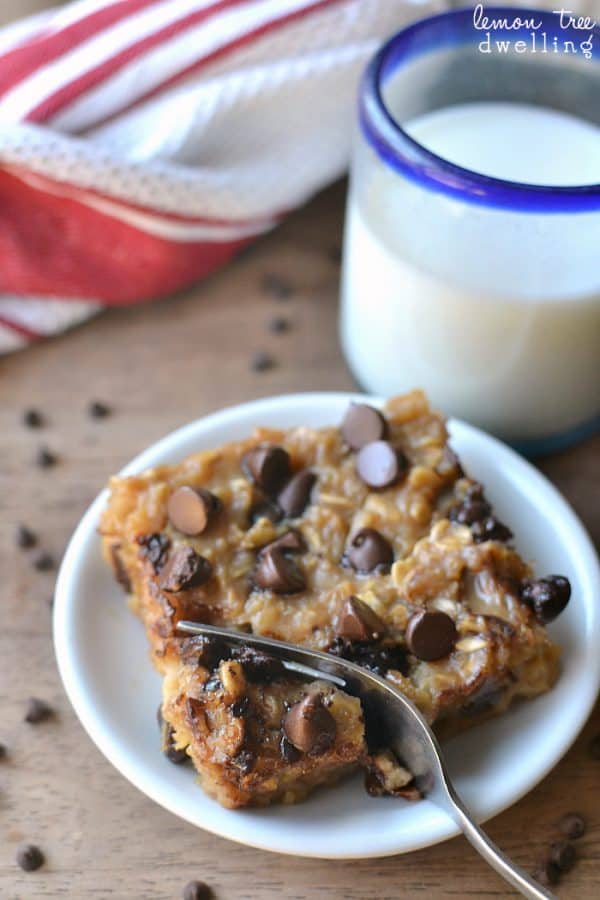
{"points": [[144, 142]]}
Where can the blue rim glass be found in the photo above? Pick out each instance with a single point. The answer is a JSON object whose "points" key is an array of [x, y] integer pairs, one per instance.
{"points": [[414, 161]]}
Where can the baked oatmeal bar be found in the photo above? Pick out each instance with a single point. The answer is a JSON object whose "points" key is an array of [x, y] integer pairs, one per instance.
{"points": [[367, 540]]}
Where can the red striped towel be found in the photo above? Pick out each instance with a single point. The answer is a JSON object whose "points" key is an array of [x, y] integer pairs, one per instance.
{"points": [[143, 142]]}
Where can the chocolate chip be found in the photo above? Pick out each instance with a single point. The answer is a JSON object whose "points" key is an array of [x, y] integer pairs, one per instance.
{"points": [[290, 542], [202, 650], [562, 854], [276, 572], [368, 550], [379, 464], [377, 657], [309, 726], [288, 751], [279, 325], [594, 747], [98, 410], [44, 562], [265, 509], [262, 361], [362, 425], [191, 510], [25, 537], [120, 572], [357, 622], [197, 890], [572, 825], [547, 873], [296, 494], [185, 569], [490, 529], [37, 711], [33, 418], [268, 467], [173, 754], [547, 596], [470, 511], [155, 548], [240, 707], [430, 635], [259, 668], [29, 857], [45, 458], [277, 286]]}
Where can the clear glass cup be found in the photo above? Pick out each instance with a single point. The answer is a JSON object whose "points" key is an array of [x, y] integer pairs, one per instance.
{"points": [[485, 292]]}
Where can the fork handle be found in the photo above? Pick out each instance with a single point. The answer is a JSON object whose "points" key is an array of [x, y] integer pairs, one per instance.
{"points": [[492, 854]]}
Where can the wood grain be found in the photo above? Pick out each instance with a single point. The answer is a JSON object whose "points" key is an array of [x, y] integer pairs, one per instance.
{"points": [[160, 366]]}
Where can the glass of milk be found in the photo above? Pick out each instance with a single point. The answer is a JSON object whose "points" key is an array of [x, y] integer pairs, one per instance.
{"points": [[472, 246]]}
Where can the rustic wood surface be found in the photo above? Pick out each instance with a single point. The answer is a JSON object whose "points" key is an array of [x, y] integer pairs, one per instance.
{"points": [[160, 366]]}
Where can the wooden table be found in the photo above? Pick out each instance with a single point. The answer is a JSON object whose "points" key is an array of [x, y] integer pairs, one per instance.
{"points": [[160, 366]]}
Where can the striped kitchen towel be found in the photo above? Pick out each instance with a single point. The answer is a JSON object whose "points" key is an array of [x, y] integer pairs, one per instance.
{"points": [[144, 142]]}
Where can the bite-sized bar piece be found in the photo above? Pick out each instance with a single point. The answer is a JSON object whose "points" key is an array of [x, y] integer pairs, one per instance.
{"points": [[367, 540]]}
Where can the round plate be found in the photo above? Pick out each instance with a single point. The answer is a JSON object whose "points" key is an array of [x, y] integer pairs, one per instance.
{"points": [[103, 659]]}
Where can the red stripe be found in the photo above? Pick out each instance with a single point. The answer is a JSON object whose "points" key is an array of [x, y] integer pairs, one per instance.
{"points": [[61, 98], [24, 60], [53, 185], [21, 330]]}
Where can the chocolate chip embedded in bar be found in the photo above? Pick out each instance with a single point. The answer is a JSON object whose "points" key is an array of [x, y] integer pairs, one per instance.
{"points": [[380, 465], [276, 572], [185, 569], [430, 635], [294, 497], [357, 622], [368, 550], [190, 509], [268, 467], [309, 726], [362, 425]]}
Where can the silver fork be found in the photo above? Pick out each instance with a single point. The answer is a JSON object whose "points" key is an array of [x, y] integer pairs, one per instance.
{"points": [[410, 737]]}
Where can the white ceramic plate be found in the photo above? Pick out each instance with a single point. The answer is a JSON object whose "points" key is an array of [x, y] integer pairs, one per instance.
{"points": [[103, 659]]}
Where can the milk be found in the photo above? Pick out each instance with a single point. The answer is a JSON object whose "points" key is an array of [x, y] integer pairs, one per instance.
{"points": [[495, 312]]}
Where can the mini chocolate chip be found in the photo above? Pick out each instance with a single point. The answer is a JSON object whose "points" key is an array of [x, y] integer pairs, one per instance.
{"points": [[594, 747], [185, 569], [119, 570], [367, 550], [45, 458], [37, 711], [547, 873], [25, 537], [245, 761], [29, 857], [3, 751], [288, 751], [362, 425], [173, 754], [376, 656], [44, 562], [357, 622], [197, 890], [276, 572], [562, 854], [430, 635], [277, 286], [33, 418], [191, 509], [279, 325], [268, 467], [490, 529], [309, 726], [380, 465], [262, 361], [547, 597], [98, 410], [240, 707], [296, 494], [572, 825], [265, 509], [155, 548]]}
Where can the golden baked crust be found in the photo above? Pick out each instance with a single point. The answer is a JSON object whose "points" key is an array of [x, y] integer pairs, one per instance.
{"points": [[228, 712]]}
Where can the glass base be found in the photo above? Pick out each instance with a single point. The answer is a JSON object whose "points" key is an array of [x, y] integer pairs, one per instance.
{"points": [[555, 443]]}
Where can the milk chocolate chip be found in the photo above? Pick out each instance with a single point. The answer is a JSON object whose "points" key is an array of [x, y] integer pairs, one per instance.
{"points": [[362, 424], [191, 509], [277, 572], [367, 550], [379, 464], [268, 467], [309, 726], [430, 635], [357, 622], [296, 494], [185, 569]]}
